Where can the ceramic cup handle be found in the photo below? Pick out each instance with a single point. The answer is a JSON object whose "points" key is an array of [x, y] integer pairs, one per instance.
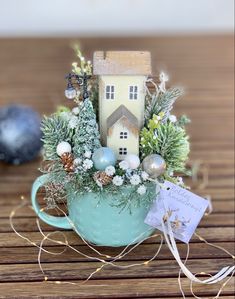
{"points": [[61, 222]]}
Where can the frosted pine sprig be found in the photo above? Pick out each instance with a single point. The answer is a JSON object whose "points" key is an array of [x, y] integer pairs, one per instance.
{"points": [[161, 102], [54, 130]]}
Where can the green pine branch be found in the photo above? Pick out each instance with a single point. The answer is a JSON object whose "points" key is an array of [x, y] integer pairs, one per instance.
{"points": [[169, 141], [161, 102], [183, 121], [54, 130]]}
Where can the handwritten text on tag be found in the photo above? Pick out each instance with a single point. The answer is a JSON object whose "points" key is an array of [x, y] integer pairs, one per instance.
{"points": [[183, 208]]}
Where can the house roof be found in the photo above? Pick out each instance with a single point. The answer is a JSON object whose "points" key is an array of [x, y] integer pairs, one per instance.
{"points": [[122, 63], [119, 113]]}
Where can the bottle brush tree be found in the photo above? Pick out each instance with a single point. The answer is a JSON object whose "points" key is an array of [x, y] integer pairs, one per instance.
{"points": [[86, 137]]}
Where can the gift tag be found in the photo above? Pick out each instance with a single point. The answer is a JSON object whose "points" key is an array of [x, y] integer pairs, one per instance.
{"points": [[183, 208]]}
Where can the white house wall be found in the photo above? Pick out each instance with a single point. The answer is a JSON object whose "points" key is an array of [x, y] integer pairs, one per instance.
{"points": [[114, 141], [121, 97]]}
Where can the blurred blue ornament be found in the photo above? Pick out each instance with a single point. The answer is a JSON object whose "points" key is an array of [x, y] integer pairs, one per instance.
{"points": [[103, 157], [20, 134]]}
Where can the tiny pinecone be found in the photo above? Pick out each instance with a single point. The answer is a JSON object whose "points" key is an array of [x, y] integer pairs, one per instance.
{"points": [[102, 177], [67, 160]]}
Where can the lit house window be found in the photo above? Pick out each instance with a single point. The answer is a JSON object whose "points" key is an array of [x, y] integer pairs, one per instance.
{"points": [[109, 92], [123, 135], [133, 92], [122, 150]]}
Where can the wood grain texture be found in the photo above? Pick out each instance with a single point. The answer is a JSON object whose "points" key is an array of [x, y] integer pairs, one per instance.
{"points": [[32, 73], [109, 288], [14, 255], [220, 234]]}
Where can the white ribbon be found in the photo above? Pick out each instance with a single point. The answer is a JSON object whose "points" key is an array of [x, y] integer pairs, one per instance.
{"points": [[224, 272]]}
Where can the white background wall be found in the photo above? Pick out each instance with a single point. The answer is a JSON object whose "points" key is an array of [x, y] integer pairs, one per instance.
{"points": [[114, 17]]}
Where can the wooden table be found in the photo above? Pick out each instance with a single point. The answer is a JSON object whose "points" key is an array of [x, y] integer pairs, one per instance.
{"points": [[32, 72]]}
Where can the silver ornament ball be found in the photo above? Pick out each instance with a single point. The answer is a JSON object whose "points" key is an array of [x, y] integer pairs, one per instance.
{"points": [[154, 165]]}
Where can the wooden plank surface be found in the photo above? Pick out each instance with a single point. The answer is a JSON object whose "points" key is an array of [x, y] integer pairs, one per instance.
{"points": [[32, 73]]}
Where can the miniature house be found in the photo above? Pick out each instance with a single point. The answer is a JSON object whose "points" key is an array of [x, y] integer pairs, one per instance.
{"points": [[122, 76]]}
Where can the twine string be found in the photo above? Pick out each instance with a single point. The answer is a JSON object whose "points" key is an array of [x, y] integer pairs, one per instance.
{"points": [[151, 81]]}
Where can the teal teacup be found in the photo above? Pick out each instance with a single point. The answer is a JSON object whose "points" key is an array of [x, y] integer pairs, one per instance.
{"points": [[96, 218]]}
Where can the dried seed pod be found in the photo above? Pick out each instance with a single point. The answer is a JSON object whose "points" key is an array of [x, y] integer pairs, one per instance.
{"points": [[102, 177]]}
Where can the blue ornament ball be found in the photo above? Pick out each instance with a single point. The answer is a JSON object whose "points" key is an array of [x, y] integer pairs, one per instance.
{"points": [[103, 157], [20, 134]]}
